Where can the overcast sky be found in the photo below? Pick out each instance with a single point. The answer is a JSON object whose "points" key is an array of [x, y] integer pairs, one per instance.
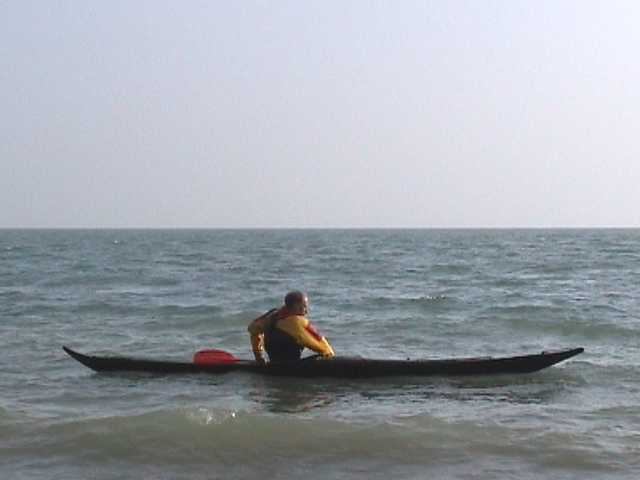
{"points": [[319, 113]]}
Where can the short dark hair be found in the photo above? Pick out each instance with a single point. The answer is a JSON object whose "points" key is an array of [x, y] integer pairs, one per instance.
{"points": [[294, 298]]}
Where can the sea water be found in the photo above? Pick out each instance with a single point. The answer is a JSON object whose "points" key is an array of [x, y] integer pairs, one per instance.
{"points": [[374, 293]]}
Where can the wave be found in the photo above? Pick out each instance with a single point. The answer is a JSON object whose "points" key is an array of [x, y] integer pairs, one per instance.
{"points": [[121, 282], [127, 309], [198, 310], [593, 321], [623, 412], [600, 369], [554, 322], [12, 424], [216, 436], [425, 301], [451, 268]]}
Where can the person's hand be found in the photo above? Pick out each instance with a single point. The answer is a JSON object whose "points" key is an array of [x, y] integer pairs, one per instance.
{"points": [[260, 360]]}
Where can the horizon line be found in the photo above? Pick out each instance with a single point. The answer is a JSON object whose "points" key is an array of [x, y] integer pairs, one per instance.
{"points": [[580, 227]]}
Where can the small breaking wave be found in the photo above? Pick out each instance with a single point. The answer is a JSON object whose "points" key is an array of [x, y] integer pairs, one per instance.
{"points": [[212, 436], [425, 300]]}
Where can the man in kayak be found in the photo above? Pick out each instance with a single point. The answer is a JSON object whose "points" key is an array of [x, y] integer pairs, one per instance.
{"points": [[284, 332]]}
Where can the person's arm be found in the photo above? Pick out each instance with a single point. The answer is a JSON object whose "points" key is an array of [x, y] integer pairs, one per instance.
{"points": [[256, 331], [306, 335]]}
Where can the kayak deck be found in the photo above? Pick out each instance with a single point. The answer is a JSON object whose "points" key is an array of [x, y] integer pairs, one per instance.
{"points": [[339, 367]]}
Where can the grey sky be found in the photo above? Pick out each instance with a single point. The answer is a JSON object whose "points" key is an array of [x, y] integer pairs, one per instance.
{"points": [[319, 114]]}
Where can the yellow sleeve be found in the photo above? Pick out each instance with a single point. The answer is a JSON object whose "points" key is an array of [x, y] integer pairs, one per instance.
{"points": [[299, 328], [257, 343], [256, 331]]}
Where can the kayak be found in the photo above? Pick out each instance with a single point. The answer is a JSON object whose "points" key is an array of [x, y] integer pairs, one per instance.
{"points": [[337, 367]]}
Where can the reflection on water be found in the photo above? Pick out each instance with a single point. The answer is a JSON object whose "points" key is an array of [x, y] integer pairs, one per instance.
{"points": [[300, 395], [286, 395], [344, 398]]}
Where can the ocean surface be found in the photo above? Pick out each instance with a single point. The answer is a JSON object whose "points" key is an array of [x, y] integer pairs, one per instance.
{"points": [[374, 293]]}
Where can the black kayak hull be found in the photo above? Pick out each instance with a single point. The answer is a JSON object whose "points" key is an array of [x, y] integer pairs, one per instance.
{"points": [[339, 367]]}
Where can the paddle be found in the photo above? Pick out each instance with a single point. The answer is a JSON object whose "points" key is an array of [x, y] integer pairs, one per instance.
{"points": [[220, 357], [213, 357]]}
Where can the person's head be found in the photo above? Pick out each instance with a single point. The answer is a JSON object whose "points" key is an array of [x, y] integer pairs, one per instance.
{"points": [[297, 302]]}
